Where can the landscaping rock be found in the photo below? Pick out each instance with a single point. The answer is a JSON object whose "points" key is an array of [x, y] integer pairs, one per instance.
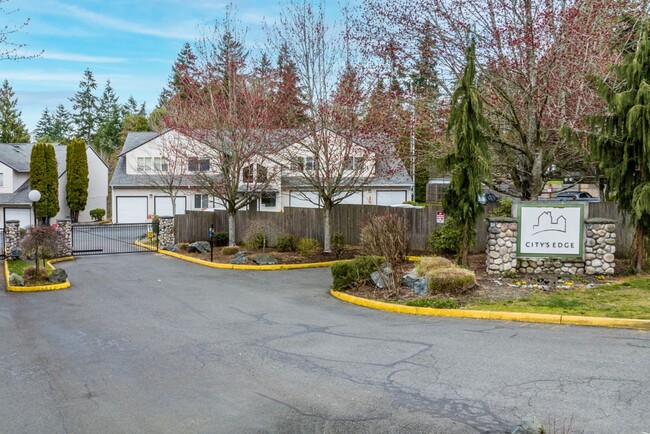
{"points": [[58, 276], [199, 247], [416, 283], [16, 280], [530, 425], [172, 247], [378, 279], [240, 257], [15, 252], [265, 259]]}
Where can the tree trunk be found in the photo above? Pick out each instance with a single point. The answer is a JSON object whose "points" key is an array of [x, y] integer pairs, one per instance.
{"points": [[173, 198], [36, 261], [231, 228], [464, 260], [327, 227], [640, 248]]}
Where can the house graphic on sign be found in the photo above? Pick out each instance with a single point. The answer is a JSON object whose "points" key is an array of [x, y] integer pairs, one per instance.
{"points": [[546, 223]]}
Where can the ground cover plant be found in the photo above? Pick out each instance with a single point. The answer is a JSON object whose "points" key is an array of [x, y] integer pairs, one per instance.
{"points": [[27, 270]]}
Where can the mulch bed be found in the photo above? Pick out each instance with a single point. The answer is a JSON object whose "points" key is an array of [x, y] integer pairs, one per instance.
{"points": [[282, 257]]}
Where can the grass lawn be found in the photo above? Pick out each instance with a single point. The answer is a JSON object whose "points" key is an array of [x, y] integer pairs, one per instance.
{"points": [[18, 266], [628, 299]]}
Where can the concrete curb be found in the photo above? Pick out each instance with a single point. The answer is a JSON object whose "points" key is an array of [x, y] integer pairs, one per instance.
{"points": [[54, 287], [639, 324], [239, 266]]}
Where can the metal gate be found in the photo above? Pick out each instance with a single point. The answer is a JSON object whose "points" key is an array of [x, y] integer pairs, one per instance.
{"points": [[2, 243], [93, 239]]}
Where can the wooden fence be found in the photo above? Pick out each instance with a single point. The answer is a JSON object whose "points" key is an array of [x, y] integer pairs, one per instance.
{"points": [[348, 219]]}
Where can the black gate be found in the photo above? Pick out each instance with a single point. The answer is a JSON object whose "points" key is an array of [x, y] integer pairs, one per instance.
{"points": [[2, 243], [112, 239]]}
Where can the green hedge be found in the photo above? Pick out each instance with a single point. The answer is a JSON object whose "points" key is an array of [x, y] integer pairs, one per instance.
{"points": [[348, 274]]}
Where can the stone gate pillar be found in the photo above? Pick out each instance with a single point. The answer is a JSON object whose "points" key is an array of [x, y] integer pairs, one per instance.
{"points": [[65, 226], [166, 232], [501, 246], [12, 235]]}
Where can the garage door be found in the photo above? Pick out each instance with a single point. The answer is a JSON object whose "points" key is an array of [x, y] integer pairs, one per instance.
{"points": [[306, 199], [131, 209], [391, 197], [21, 214], [355, 199], [163, 205]]}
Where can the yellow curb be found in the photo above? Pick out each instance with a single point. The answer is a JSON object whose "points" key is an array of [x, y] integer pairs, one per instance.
{"points": [[238, 266], [54, 287], [640, 324]]}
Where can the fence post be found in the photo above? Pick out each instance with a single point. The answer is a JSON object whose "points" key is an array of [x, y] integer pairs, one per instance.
{"points": [[65, 226], [165, 232]]}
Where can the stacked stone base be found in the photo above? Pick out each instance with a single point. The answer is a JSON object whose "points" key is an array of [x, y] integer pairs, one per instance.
{"points": [[550, 266]]}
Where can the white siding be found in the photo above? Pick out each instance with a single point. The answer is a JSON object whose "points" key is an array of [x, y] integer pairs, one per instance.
{"points": [[391, 197], [303, 199], [163, 205]]}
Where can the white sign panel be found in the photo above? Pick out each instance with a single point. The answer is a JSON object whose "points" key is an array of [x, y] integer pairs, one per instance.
{"points": [[550, 231], [440, 217]]}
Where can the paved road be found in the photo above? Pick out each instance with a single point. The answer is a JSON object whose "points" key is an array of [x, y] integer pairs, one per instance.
{"points": [[147, 343]]}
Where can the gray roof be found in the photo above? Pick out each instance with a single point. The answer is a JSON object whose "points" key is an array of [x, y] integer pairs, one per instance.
{"points": [[17, 156], [18, 197], [135, 139], [122, 179]]}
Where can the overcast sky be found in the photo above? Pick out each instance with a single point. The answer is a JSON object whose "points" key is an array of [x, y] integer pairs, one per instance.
{"points": [[132, 43]]}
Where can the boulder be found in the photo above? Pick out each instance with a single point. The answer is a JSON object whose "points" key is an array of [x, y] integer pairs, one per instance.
{"points": [[265, 259], [378, 278], [15, 252], [530, 425], [240, 258], [199, 247], [416, 283], [58, 276], [16, 280], [172, 247]]}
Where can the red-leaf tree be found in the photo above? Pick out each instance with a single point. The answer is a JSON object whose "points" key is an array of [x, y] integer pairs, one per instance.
{"points": [[535, 58], [229, 116]]}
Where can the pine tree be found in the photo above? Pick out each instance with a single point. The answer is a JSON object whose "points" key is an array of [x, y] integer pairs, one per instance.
{"points": [[44, 126], [109, 116], [131, 107], [231, 58], [263, 69], [43, 176], [620, 138], [12, 128], [76, 187], [84, 103], [61, 125], [469, 161], [347, 100], [288, 93], [183, 72]]}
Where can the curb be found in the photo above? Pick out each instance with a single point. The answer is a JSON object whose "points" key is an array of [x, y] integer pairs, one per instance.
{"points": [[546, 318], [54, 287], [239, 266]]}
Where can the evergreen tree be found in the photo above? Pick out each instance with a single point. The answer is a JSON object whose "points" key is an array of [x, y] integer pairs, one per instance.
{"points": [[44, 126], [620, 138], [61, 125], [43, 176], [12, 128], [76, 188], [231, 58], [183, 71], [425, 79], [263, 70], [84, 103], [131, 106], [347, 100], [134, 122], [288, 93], [469, 161], [109, 116]]}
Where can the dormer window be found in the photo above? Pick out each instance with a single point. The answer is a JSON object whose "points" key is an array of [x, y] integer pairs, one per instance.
{"points": [[160, 164], [198, 164], [255, 173], [145, 164], [354, 163]]}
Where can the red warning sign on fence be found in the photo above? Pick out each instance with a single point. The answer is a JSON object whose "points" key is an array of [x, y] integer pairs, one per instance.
{"points": [[440, 217]]}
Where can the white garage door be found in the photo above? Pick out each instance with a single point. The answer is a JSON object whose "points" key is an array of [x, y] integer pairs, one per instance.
{"points": [[21, 214], [355, 199], [391, 197], [131, 209], [163, 205], [306, 199]]}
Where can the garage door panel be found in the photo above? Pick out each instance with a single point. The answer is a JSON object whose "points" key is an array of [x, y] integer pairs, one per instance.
{"points": [[391, 197], [163, 205], [306, 199], [354, 199], [23, 215], [131, 209]]}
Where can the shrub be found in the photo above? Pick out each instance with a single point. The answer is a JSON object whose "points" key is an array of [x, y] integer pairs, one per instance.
{"points": [[504, 209], [255, 237], [446, 238], [220, 239], [431, 263], [97, 213], [286, 243], [338, 244], [350, 274], [229, 250], [183, 246], [438, 303], [30, 273], [450, 280], [386, 236], [308, 246]]}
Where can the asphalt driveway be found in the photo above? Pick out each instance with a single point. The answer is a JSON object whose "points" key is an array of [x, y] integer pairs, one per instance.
{"points": [[147, 343]]}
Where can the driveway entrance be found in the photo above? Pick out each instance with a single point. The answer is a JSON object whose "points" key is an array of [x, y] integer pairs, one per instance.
{"points": [[95, 239]]}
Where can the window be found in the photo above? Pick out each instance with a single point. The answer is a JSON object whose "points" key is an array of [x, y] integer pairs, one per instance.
{"points": [[2, 182], [247, 173], [309, 163], [160, 164], [348, 164], [144, 164], [198, 164], [262, 173], [268, 200], [353, 163], [297, 165], [200, 201]]}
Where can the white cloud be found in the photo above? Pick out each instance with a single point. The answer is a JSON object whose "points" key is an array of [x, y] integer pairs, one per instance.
{"points": [[74, 57]]}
